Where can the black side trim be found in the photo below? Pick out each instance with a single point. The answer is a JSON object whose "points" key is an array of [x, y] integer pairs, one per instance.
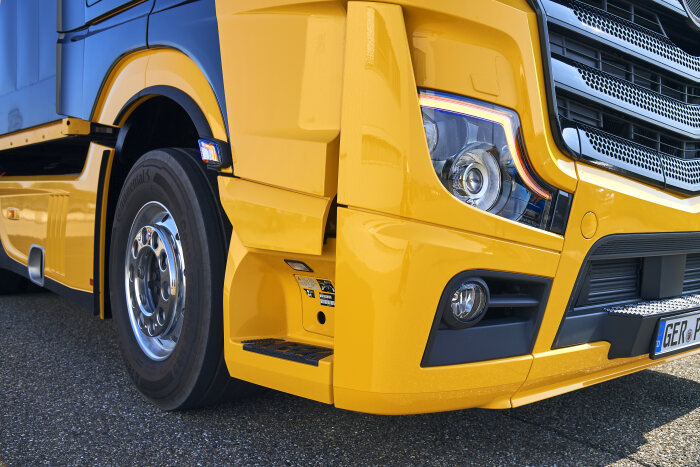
{"points": [[508, 329], [181, 98], [97, 273]]}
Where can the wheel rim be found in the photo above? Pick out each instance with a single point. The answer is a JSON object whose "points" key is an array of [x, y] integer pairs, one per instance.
{"points": [[154, 278]]}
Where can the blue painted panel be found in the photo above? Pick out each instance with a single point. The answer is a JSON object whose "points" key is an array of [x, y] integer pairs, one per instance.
{"points": [[191, 27], [8, 46], [28, 58], [98, 47], [71, 15]]}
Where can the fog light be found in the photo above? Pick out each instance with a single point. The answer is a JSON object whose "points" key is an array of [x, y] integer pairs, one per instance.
{"points": [[468, 304]]}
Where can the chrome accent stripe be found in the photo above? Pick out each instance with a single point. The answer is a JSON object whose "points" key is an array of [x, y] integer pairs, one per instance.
{"points": [[619, 153], [626, 97], [610, 150], [673, 5], [623, 35]]}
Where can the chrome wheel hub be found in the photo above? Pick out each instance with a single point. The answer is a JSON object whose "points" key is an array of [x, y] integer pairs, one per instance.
{"points": [[154, 279]]}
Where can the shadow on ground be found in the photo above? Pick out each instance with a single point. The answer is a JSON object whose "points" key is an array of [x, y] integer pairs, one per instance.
{"points": [[66, 399]]}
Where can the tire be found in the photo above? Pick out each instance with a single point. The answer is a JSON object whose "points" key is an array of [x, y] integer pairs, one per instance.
{"points": [[166, 282], [11, 282]]}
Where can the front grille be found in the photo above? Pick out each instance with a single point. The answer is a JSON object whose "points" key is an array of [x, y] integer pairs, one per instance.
{"points": [[627, 96], [694, 7]]}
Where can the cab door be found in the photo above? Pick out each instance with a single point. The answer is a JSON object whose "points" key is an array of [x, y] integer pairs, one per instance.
{"points": [[98, 33]]}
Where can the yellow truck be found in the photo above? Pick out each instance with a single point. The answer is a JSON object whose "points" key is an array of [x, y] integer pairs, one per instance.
{"points": [[391, 207]]}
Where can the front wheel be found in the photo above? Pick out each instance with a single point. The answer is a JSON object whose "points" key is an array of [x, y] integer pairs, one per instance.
{"points": [[166, 268]]}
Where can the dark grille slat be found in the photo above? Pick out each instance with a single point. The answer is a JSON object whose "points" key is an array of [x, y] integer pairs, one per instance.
{"points": [[612, 281], [691, 281]]}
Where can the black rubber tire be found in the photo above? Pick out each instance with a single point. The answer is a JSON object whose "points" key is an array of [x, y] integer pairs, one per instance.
{"points": [[195, 374], [11, 282]]}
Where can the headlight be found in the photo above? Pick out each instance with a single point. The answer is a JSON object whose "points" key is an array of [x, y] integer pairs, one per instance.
{"points": [[477, 154]]}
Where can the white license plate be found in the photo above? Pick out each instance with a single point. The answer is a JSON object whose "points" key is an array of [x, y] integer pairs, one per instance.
{"points": [[678, 333]]}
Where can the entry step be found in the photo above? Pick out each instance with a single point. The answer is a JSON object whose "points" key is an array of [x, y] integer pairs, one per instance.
{"points": [[654, 308], [288, 350]]}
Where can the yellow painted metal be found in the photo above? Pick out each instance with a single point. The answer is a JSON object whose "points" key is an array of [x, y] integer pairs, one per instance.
{"points": [[490, 53], [282, 64], [390, 275], [563, 370], [58, 214], [262, 298], [48, 132], [384, 160], [272, 218], [156, 67]]}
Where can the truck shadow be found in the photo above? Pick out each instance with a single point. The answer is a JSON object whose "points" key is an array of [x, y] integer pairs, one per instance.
{"points": [[593, 426], [65, 398]]}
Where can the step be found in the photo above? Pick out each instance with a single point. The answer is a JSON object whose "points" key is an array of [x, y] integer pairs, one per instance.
{"points": [[283, 363], [657, 308], [288, 350]]}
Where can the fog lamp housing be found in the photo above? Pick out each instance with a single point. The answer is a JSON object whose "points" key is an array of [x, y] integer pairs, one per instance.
{"points": [[467, 305]]}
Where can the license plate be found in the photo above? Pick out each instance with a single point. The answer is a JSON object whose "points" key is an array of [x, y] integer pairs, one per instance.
{"points": [[677, 333]]}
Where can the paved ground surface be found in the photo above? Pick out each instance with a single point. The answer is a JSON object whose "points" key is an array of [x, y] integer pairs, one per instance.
{"points": [[65, 399]]}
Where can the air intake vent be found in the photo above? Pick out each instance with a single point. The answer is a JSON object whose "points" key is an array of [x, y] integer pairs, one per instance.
{"points": [[627, 97], [691, 281], [611, 281]]}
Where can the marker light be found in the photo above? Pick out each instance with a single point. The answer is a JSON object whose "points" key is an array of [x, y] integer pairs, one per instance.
{"points": [[467, 305], [478, 157], [298, 265], [210, 152]]}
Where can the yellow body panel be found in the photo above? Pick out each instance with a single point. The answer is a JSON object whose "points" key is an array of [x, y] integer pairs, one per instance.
{"points": [[282, 65], [156, 67], [384, 161], [57, 214], [274, 219], [390, 275], [49, 132]]}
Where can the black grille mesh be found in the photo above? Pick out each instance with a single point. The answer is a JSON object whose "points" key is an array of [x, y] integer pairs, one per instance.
{"points": [[634, 34], [627, 96], [636, 95]]}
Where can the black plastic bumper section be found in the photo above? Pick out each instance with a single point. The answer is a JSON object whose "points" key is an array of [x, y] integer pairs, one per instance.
{"points": [[629, 329], [627, 283], [508, 329]]}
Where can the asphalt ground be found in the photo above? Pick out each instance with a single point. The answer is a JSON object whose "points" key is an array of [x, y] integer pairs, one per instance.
{"points": [[65, 399]]}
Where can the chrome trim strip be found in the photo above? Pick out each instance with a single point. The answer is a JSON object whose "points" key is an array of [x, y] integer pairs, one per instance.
{"points": [[629, 98], [673, 5], [618, 153]]}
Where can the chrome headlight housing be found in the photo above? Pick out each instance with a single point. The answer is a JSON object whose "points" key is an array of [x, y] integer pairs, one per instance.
{"points": [[477, 153]]}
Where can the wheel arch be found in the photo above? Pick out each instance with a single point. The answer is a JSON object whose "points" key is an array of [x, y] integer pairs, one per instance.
{"points": [[173, 106]]}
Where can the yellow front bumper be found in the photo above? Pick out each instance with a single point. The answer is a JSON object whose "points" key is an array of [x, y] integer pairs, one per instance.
{"points": [[391, 272]]}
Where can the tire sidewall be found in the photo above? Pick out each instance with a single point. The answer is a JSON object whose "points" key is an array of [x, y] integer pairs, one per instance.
{"points": [[166, 177]]}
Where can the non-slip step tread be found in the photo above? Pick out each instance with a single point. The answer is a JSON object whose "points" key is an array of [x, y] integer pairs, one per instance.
{"points": [[288, 350], [657, 307]]}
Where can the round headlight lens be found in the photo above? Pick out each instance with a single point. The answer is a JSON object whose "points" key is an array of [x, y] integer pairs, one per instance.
{"points": [[477, 155], [468, 304], [474, 176]]}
